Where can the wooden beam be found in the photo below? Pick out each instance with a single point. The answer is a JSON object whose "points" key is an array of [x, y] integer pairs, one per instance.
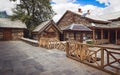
{"points": [[67, 48], [81, 38], [116, 35], [94, 34], [102, 35], [102, 58], [109, 35]]}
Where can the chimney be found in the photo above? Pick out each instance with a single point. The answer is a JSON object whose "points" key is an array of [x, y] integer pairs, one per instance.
{"points": [[88, 12], [79, 10]]}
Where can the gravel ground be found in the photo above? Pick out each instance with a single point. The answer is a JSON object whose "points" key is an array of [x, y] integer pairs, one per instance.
{"points": [[20, 58]]}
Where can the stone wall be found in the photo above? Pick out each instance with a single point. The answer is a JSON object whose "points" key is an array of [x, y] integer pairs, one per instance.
{"points": [[35, 35], [70, 18], [80, 20], [17, 34], [1, 34], [49, 35], [66, 20]]}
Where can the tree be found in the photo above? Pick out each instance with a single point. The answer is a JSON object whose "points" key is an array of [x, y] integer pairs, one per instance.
{"points": [[32, 12]]}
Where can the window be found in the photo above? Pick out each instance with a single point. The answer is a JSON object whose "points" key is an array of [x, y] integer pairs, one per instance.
{"points": [[118, 34], [105, 36], [98, 34]]}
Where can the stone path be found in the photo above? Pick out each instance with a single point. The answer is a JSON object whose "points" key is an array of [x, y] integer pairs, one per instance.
{"points": [[20, 58]]}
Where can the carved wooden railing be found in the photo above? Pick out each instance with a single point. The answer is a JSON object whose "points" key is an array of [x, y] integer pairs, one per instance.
{"points": [[52, 43], [103, 58], [100, 41]]}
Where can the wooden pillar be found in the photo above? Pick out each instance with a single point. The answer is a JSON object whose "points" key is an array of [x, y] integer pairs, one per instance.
{"points": [[94, 34], [64, 35], [102, 35], [67, 48], [116, 35], [81, 37], [102, 58], [109, 36]]}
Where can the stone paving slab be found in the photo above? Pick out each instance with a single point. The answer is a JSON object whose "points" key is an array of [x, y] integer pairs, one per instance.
{"points": [[20, 58]]}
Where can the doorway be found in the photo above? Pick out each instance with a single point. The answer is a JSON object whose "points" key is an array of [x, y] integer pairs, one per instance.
{"points": [[112, 36], [7, 34]]}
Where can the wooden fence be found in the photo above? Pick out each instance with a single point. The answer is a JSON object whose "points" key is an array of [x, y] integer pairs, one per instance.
{"points": [[52, 43], [103, 58]]}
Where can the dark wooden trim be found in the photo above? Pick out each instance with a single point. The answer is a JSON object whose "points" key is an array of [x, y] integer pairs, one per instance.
{"points": [[7, 34], [116, 35], [51, 23]]}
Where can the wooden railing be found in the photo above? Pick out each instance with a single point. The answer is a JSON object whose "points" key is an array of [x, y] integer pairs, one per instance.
{"points": [[118, 41], [103, 58], [100, 41], [52, 43]]}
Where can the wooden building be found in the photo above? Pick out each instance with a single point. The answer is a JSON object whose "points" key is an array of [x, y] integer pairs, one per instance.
{"points": [[11, 30], [47, 29], [103, 30], [76, 32]]}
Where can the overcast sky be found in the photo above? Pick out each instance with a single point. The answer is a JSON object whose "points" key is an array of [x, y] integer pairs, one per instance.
{"points": [[96, 7]]}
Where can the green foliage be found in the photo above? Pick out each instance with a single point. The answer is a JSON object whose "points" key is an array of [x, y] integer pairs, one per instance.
{"points": [[90, 42], [32, 12]]}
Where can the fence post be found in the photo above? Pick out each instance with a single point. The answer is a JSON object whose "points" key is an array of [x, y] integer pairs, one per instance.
{"points": [[67, 48], [102, 58]]}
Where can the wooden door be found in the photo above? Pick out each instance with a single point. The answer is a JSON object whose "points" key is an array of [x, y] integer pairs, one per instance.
{"points": [[7, 34]]}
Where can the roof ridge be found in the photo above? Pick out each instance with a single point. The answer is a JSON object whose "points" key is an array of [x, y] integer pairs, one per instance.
{"points": [[89, 16]]}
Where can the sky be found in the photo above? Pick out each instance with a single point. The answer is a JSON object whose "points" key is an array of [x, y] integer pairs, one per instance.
{"points": [[96, 7]]}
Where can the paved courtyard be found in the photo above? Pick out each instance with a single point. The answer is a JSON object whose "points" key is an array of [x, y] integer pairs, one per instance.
{"points": [[20, 58]]}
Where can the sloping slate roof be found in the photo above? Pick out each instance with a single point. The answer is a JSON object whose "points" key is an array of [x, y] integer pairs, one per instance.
{"points": [[3, 14], [7, 23], [44, 25], [115, 24], [93, 17], [111, 16], [77, 27], [39, 27]]}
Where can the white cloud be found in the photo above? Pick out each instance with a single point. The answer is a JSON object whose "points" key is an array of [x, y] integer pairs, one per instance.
{"points": [[60, 6], [104, 1], [6, 5], [62, 1], [114, 5]]}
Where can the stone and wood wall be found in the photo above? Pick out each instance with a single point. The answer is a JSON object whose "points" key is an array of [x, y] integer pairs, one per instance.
{"points": [[50, 32], [100, 36], [35, 35], [17, 34], [11, 34], [105, 35], [78, 36], [69, 18]]}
